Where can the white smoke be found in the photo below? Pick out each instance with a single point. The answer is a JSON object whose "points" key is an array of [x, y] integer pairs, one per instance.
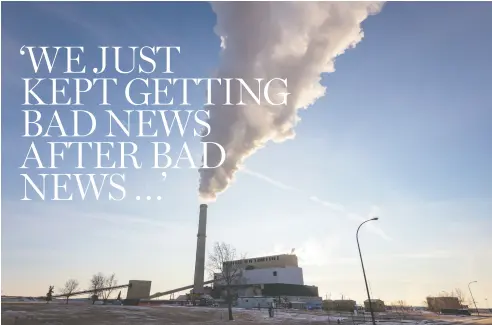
{"points": [[294, 40]]}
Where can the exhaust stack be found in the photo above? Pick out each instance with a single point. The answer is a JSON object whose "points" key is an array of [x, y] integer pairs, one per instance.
{"points": [[200, 250]]}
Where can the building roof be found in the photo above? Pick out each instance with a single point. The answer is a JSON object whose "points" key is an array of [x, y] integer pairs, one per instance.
{"points": [[263, 258], [282, 260]]}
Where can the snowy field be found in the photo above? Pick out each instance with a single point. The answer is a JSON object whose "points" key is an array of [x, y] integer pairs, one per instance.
{"points": [[27, 313]]}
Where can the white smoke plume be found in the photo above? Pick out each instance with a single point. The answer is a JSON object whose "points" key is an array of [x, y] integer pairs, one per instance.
{"points": [[294, 40]]}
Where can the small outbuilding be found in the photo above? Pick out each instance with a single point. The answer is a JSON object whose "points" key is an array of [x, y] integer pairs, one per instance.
{"points": [[344, 305], [436, 304], [376, 304], [328, 305]]}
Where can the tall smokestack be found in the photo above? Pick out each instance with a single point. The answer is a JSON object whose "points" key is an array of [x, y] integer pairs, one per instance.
{"points": [[200, 250]]}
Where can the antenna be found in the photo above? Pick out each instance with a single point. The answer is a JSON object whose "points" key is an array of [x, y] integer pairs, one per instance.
{"points": [[292, 251]]}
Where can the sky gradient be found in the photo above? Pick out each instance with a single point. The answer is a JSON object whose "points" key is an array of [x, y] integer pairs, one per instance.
{"points": [[404, 133]]}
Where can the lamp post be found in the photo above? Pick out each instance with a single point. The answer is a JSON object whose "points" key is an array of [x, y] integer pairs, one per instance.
{"points": [[471, 294], [364, 272]]}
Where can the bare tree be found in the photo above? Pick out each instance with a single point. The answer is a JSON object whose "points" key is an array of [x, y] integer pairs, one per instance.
{"points": [[402, 304], [460, 295], [109, 281], [96, 284], [229, 273], [425, 304], [69, 288]]}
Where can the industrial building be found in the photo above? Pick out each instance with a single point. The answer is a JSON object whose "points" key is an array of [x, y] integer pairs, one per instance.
{"points": [[138, 289], [339, 305], [436, 304], [286, 275], [376, 304], [277, 276], [271, 276], [281, 269]]}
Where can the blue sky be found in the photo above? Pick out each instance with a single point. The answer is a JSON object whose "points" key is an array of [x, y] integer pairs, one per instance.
{"points": [[403, 132]]}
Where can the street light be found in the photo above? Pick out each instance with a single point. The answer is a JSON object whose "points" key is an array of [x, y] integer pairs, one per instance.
{"points": [[471, 294], [363, 271]]}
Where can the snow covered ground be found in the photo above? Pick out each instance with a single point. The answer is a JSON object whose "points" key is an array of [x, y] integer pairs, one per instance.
{"points": [[82, 314]]}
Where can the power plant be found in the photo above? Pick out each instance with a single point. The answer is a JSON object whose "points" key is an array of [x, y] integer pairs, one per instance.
{"points": [[267, 276]]}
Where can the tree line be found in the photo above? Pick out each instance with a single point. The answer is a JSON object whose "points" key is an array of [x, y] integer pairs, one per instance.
{"points": [[100, 287]]}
